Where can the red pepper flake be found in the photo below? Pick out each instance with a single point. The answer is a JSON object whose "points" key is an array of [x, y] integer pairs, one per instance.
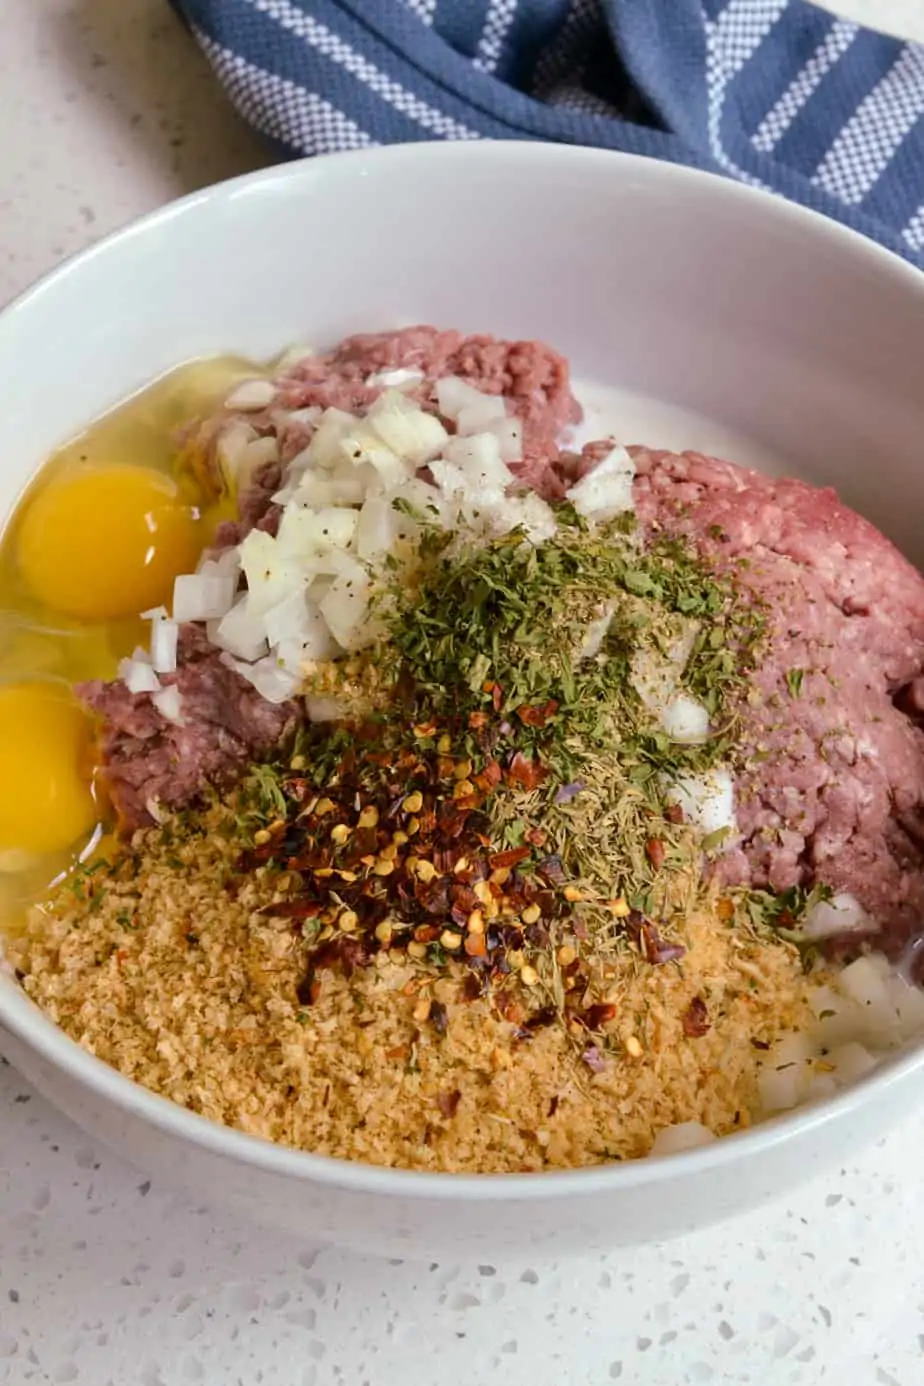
{"points": [[439, 1017], [477, 720], [537, 836], [595, 1017], [499, 861], [488, 778], [654, 850], [476, 946], [696, 1021], [532, 716], [674, 813], [448, 1102], [528, 774]]}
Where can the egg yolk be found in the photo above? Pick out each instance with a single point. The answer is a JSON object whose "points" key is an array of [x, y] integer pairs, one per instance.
{"points": [[46, 803], [105, 542]]}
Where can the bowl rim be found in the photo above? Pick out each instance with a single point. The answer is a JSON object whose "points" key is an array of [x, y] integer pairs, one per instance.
{"points": [[22, 1017]]}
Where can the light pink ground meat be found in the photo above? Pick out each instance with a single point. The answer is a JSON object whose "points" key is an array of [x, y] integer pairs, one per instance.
{"points": [[836, 789]]}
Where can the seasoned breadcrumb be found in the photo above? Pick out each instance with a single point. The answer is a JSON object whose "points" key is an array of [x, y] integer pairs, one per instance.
{"points": [[174, 977]]}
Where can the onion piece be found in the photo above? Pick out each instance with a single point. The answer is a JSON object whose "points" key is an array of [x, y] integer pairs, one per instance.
{"points": [[138, 676], [707, 800], [686, 720], [850, 1062], [202, 596], [169, 704], [842, 914], [164, 638], [454, 394], [400, 378], [607, 490], [413, 434], [251, 396], [684, 1135], [479, 460], [241, 632], [862, 981], [271, 681], [480, 414]]}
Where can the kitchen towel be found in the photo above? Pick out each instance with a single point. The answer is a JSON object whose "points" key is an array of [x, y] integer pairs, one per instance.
{"points": [[779, 94]]}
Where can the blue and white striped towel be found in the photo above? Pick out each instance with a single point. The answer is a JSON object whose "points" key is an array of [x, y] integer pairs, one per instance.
{"points": [[777, 93]]}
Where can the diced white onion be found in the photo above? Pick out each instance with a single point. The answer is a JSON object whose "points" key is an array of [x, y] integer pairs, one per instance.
{"points": [[325, 450], [685, 1135], [363, 446], [164, 638], [685, 720], [509, 434], [707, 800], [595, 633], [202, 597], [345, 609], [271, 681], [607, 490], [231, 446], [169, 703], [410, 432], [842, 914], [479, 460], [863, 982], [400, 378], [138, 676], [779, 1089], [850, 1062], [251, 395], [375, 531], [293, 355], [242, 632], [453, 395], [480, 414]]}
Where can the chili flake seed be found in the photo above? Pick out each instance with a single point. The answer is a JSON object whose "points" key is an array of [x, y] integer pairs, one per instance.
{"points": [[464, 789], [369, 817], [515, 959], [383, 867], [385, 932], [412, 827], [475, 922], [529, 976], [566, 955], [417, 950], [572, 893], [462, 770], [324, 806], [262, 837], [414, 802], [348, 921], [340, 834], [425, 871], [450, 941], [399, 839], [444, 745], [531, 914], [633, 1047], [389, 852], [461, 866], [298, 763], [620, 907]]}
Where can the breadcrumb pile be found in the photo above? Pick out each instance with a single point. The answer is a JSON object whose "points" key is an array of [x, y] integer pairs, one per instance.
{"points": [[164, 967]]}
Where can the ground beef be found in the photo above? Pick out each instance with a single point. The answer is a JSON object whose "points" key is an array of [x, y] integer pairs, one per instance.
{"points": [[148, 760], [835, 788], [535, 379]]}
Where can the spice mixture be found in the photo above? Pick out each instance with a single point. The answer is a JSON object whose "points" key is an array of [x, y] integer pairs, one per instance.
{"points": [[462, 926]]}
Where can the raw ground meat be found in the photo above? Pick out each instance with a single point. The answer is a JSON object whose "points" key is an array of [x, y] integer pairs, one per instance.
{"points": [[835, 789], [148, 760]]}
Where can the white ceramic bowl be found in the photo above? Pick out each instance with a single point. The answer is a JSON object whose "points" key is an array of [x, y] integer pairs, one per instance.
{"points": [[757, 321]]}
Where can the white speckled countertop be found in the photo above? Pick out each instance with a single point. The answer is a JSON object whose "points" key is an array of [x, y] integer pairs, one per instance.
{"points": [[108, 1279]]}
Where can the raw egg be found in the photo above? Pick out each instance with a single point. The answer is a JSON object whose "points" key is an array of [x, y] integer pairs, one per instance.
{"points": [[46, 802], [105, 542]]}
